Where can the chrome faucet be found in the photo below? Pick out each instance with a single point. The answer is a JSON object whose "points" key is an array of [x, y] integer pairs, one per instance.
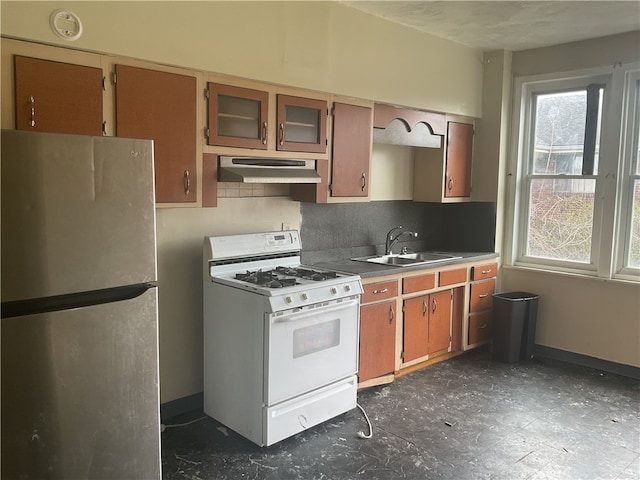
{"points": [[391, 240]]}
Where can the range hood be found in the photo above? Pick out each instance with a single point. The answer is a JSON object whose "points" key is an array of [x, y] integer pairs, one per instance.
{"points": [[267, 170]]}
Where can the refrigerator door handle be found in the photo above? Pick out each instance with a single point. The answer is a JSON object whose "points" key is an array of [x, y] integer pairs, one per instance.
{"points": [[19, 308]]}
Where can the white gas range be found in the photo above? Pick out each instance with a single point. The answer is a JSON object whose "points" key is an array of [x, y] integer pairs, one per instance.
{"points": [[280, 338]]}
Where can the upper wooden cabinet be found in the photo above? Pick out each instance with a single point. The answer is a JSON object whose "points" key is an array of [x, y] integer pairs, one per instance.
{"points": [[302, 124], [161, 106], [57, 97], [238, 117], [444, 174], [458, 160], [351, 150]]}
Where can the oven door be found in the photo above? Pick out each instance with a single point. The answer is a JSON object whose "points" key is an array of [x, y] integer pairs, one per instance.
{"points": [[311, 348]]}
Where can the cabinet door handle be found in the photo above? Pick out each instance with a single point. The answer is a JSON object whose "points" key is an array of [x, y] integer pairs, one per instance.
{"points": [[363, 181], [281, 133], [32, 105], [424, 307], [434, 305], [264, 133], [384, 290], [391, 314], [450, 184], [483, 295], [186, 179]]}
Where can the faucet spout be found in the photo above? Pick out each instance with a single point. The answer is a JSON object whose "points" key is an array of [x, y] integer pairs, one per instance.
{"points": [[392, 240]]}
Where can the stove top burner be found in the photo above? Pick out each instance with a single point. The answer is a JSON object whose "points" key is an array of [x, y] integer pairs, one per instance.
{"points": [[306, 273], [265, 279], [284, 276]]}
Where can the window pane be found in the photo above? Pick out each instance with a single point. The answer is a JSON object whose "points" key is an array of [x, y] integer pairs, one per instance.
{"points": [[634, 244], [559, 131], [560, 219]]}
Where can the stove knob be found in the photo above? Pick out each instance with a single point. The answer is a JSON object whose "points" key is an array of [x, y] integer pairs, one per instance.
{"points": [[347, 288], [288, 299], [304, 296], [334, 291]]}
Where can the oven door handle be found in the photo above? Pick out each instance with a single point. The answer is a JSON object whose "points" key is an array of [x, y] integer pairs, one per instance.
{"points": [[294, 317]]}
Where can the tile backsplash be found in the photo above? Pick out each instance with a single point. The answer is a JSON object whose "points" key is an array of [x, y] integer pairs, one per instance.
{"points": [[347, 230]]}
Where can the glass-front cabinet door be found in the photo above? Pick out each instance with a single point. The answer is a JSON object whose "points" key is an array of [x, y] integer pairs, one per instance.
{"points": [[237, 116], [302, 124]]}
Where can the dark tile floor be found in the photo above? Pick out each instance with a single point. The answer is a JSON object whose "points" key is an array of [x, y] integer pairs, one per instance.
{"points": [[466, 418]]}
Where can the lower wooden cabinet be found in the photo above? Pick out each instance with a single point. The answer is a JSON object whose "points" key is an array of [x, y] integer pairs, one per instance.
{"points": [[377, 340], [415, 318], [427, 325]]}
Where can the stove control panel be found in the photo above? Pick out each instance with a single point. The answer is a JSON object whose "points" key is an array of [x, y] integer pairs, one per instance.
{"points": [[306, 298]]}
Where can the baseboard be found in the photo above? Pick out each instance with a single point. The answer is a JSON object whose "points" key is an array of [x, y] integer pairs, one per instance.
{"points": [[181, 406], [586, 361]]}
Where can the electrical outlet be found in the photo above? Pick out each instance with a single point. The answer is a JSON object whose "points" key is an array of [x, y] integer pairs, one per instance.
{"points": [[286, 226]]}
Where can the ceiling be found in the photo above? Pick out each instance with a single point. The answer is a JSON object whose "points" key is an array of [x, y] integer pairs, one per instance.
{"points": [[516, 25]]}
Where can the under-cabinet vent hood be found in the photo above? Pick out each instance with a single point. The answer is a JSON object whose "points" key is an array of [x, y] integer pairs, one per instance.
{"points": [[397, 133], [267, 170]]}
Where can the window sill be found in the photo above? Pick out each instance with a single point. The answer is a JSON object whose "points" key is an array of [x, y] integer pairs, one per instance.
{"points": [[578, 276]]}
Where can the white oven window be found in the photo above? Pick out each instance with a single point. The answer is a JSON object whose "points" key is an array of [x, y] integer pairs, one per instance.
{"points": [[315, 338]]}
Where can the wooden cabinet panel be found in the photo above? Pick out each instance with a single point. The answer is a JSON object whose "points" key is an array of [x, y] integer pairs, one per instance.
{"points": [[384, 114], [377, 340], [379, 291], [302, 124], [459, 156], [480, 272], [209, 180], [161, 106], [418, 283], [458, 313], [481, 296], [480, 327], [439, 321], [238, 117], [351, 157], [451, 277], [57, 97], [416, 328]]}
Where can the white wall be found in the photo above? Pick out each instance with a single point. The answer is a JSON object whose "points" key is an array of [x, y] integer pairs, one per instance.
{"points": [[589, 316], [314, 45]]}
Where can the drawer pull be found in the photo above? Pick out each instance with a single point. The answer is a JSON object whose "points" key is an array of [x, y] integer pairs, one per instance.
{"points": [[483, 326], [384, 290], [483, 295], [484, 272]]}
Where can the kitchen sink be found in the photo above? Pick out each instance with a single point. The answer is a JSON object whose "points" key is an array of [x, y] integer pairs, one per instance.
{"points": [[408, 259]]}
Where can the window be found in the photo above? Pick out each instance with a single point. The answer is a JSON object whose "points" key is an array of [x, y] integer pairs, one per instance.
{"points": [[577, 182]]}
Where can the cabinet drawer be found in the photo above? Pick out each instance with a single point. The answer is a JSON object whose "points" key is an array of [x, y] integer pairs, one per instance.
{"points": [[418, 283], [480, 272], [481, 297], [480, 327], [379, 291], [450, 277]]}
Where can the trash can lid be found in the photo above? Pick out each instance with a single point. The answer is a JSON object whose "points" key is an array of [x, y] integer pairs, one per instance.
{"points": [[516, 296]]}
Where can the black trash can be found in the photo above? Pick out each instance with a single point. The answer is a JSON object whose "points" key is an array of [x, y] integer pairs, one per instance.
{"points": [[514, 325]]}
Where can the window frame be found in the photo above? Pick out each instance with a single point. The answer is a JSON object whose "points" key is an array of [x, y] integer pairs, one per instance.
{"points": [[611, 215], [629, 173]]}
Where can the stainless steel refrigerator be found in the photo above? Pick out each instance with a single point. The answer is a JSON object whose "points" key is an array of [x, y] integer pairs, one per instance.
{"points": [[79, 328]]}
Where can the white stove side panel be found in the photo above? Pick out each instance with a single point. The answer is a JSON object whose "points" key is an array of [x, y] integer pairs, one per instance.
{"points": [[234, 359]]}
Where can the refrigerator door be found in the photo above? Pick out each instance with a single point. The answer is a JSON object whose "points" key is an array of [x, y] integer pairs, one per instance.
{"points": [[78, 214], [80, 393]]}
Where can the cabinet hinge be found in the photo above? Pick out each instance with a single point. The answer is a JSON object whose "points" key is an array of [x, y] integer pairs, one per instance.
{"points": [[207, 95], [113, 78], [206, 133], [402, 355], [331, 187], [104, 128]]}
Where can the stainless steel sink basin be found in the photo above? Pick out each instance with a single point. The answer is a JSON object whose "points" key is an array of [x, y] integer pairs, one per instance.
{"points": [[408, 259]]}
